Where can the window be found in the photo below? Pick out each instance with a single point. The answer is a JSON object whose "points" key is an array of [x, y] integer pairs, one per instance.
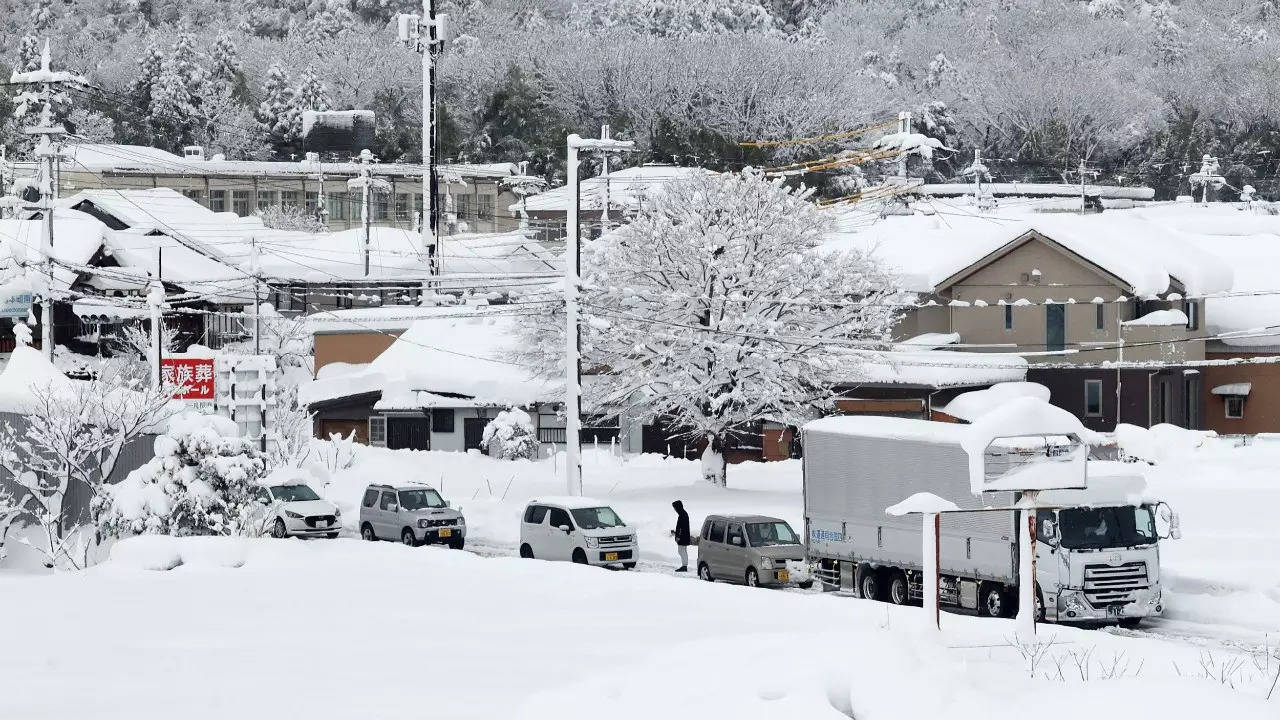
{"points": [[388, 500], [370, 497], [706, 530], [380, 208], [218, 200], [378, 431], [735, 531], [291, 199], [462, 206], [193, 195], [337, 203], [313, 202], [1192, 308], [717, 531], [1100, 313], [1235, 406], [240, 202], [442, 420], [1008, 317], [402, 206], [1093, 398], [266, 198], [535, 514], [560, 518], [485, 207]]}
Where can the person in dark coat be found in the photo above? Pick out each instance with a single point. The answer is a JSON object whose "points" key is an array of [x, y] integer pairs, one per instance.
{"points": [[681, 534]]}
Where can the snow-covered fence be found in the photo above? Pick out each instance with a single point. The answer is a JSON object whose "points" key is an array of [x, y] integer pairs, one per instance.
{"points": [[134, 455]]}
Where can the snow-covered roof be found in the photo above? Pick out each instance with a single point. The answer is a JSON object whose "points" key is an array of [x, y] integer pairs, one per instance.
{"points": [[628, 188], [451, 352], [976, 403], [1242, 388], [1015, 189], [1131, 245], [140, 159], [929, 341], [1159, 317], [938, 368], [27, 373]]}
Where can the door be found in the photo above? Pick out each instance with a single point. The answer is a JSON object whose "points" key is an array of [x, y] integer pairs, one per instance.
{"points": [[387, 524], [560, 544], [408, 433], [711, 551], [1055, 326], [733, 558], [473, 433], [533, 531]]}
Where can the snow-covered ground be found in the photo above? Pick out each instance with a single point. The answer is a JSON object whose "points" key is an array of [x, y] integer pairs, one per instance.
{"points": [[347, 628]]}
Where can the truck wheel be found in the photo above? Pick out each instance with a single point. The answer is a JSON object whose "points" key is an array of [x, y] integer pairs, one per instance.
{"points": [[753, 578], [899, 590], [457, 543], [993, 602], [869, 586], [1130, 623], [366, 532]]}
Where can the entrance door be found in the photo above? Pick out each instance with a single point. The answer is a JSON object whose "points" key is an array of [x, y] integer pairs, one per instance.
{"points": [[1055, 326], [473, 433], [408, 433]]}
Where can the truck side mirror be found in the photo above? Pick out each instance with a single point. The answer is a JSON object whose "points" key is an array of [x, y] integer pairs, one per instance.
{"points": [[1049, 530]]}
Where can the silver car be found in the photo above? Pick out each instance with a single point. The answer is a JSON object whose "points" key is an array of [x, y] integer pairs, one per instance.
{"points": [[413, 514], [751, 549]]}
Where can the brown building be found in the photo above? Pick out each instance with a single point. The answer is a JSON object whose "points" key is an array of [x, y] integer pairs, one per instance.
{"points": [[1242, 389]]}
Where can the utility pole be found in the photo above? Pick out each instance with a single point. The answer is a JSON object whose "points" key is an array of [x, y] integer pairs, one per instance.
{"points": [[44, 87], [426, 33], [572, 276], [604, 173], [904, 127], [155, 304], [1085, 173]]}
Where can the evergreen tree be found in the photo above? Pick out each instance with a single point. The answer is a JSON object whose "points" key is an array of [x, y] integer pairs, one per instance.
{"points": [[227, 70], [335, 21], [310, 95], [28, 54], [176, 96], [42, 16], [277, 113], [150, 65]]}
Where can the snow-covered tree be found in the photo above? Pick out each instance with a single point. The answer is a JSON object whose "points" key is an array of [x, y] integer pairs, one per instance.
{"points": [[717, 307], [91, 126], [202, 481], [42, 16], [332, 22], [28, 54], [277, 113], [311, 94], [150, 67], [71, 435], [678, 17], [227, 69], [510, 436]]}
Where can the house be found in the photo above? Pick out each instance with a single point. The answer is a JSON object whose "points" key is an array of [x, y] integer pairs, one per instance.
{"points": [[1106, 308], [472, 198]]}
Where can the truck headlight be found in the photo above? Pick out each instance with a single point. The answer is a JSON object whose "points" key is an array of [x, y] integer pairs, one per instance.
{"points": [[1069, 600], [593, 542], [766, 563], [1155, 597], [424, 523]]}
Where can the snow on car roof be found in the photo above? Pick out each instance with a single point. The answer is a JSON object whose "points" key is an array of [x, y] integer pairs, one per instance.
{"points": [[570, 502]]}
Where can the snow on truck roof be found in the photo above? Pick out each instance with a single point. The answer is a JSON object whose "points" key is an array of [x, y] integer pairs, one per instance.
{"points": [[1008, 428]]}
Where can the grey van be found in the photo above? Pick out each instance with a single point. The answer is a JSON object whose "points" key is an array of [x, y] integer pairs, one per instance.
{"points": [[413, 514], [753, 550]]}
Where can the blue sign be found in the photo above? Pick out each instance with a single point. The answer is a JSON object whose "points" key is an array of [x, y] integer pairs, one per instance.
{"points": [[15, 301], [819, 535]]}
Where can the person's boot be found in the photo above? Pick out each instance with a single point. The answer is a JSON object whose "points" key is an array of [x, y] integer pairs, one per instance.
{"points": [[683, 568]]}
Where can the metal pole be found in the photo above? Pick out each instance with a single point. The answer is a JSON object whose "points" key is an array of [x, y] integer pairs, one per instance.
{"points": [[573, 416], [366, 214], [429, 137], [604, 173], [1026, 622], [1081, 186], [932, 531]]}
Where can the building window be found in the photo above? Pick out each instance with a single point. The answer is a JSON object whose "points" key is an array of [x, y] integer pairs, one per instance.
{"points": [[1235, 406], [218, 200], [485, 207], [313, 202], [402, 206], [462, 206], [1192, 308], [337, 203], [1100, 316], [291, 199], [240, 202], [380, 208], [266, 198], [196, 195], [378, 431], [442, 420], [1008, 317], [1093, 398]]}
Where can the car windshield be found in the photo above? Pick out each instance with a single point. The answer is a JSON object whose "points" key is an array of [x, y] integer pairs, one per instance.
{"points": [[293, 493], [596, 518], [771, 533], [1106, 527], [420, 499]]}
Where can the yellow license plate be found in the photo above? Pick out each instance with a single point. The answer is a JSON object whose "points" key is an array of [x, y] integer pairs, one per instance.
{"points": [[610, 557], [783, 576], [446, 533]]}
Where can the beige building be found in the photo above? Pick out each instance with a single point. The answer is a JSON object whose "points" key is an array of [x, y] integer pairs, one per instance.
{"points": [[472, 198]]}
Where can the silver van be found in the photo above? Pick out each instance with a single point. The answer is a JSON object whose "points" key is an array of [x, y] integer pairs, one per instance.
{"points": [[413, 514], [753, 550]]}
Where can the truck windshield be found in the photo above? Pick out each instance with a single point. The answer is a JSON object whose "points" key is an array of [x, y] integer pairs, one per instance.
{"points": [[596, 518], [420, 499], [771, 533], [1106, 527]]}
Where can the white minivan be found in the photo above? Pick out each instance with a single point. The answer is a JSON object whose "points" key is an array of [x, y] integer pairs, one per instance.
{"points": [[576, 529]]}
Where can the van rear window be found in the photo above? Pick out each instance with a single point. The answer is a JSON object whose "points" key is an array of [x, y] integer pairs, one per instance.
{"points": [[535, 514], [717, 531]]}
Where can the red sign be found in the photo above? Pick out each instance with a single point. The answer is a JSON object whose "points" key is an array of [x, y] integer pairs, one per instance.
{"points": [[193, 376]]}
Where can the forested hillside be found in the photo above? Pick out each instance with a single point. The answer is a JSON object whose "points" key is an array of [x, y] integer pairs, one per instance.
{"points": [[1140, 90]]}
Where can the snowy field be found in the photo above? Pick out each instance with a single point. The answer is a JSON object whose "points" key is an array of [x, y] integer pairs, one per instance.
{"points": [[352, 629]]}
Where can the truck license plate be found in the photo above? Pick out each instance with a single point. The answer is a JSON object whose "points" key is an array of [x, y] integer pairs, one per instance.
{"points": [[783, 576], [1114, 610], [446, 533], [610, 557]]}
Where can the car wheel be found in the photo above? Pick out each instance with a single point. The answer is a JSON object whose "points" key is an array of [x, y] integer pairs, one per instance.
{"points": [[992, 601], [332, 536], [526, 552], [629, 566], [1130, 623], [805, 584], [366, 532], [408, 538], [704, 572], [899, 589], [457, 543], [869, 585], [278, 530], [753, 578], [579, 556]]}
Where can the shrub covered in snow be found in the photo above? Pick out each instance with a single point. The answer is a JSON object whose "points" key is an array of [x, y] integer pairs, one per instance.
{"points": [[201, 482], [511, 436]]}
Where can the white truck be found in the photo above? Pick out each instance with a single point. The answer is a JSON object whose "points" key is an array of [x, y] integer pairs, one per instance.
{"points": [[1097, 555]]}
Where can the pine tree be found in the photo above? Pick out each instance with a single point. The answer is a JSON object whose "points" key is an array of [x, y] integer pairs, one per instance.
{"points": [[277, 113], [28, 54], [176, 96], [42, 16], [150, 65], [225, 58], [335, 21], [310, 95]]}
